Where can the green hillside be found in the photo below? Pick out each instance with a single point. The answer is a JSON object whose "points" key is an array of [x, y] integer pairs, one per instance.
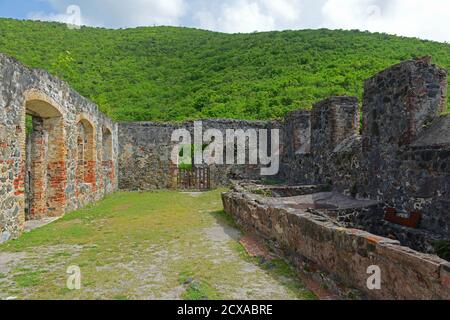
{"points": [[167, 73]]}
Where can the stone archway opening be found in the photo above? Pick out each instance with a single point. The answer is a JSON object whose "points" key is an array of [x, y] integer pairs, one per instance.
{"points": [[45, 169], [107, 158], [86, 158]]}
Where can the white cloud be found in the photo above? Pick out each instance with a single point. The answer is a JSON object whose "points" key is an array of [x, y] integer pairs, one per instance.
{"points": [[427, 19], [72, 16], [350, 14], [114, 13], [412, 18], [287, 11], [244, 16], [251, 15]]}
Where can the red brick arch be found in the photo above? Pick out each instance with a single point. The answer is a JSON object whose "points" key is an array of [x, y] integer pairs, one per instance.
{"points": [[86, 152], [44, 157]]}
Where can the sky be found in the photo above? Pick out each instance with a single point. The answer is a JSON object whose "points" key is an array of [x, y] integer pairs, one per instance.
{"points": [[425, 19]]}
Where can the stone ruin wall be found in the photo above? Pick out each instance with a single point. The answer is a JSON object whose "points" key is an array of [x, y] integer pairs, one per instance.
{"points": [[399, 157], [398, 154], [145, 150], [68, 159], [321, 249]]}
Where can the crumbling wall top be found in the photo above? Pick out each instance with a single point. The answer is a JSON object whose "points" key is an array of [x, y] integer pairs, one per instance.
{"points": [[332, 121], [437, 135], [401, 101]]}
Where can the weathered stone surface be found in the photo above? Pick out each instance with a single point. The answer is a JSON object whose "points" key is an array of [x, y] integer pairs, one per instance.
{"points": [[74, 155], [145, 153], [46, 182], [332, 121], [344, 253], [401, 158], [436, 135]]}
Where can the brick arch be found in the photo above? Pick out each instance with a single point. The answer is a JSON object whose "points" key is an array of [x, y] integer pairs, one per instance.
{"points": [[43, 98], [43, 156], [86, 153]]}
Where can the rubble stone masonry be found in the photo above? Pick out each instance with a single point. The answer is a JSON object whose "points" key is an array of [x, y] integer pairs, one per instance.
{"points": [[38, 165], [310, 241], [401, 156], [58, 152], [145, 153]]}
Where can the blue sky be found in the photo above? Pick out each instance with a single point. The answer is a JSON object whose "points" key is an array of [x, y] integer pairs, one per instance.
{"points": [[426, 19], [20, 8]]}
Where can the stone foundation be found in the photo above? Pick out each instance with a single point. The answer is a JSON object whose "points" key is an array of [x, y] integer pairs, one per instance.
{"points": [[305, 235]]}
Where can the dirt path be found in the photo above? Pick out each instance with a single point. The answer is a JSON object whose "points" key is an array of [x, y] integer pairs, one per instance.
{"points": [[160, 245]]}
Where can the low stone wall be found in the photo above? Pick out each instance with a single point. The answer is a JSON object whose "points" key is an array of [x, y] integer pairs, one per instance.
{"points": [[344, 253], [281, 191]]}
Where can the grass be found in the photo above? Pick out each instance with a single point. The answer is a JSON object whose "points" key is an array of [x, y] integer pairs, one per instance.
{"points": [[196, 289], [29, 278], [144, 245], [279, 268], [200, 290], [225, 218]]}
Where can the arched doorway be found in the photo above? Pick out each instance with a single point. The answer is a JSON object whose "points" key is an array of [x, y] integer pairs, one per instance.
{"points": [[107, 159], [86, 156], [45, 168]]}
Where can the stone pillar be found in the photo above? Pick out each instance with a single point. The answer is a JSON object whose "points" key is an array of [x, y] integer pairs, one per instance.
{"points": [[38, 170], [107, 161], [297, 133], [56, 167]]}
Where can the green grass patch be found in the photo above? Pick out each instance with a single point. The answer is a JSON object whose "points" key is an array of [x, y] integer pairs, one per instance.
{"points": [[200, 290], [148, 244], [279, 267], [442, 249], [185, 277], [239, 248], [29, 278], [223, 217]]}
